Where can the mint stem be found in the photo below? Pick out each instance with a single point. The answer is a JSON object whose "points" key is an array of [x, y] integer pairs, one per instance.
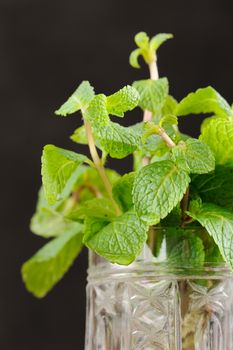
{"points": [[184, 207], [147, 116], [166, 138], [154, 74], [93, 189], [75, 197], [99, 165]]}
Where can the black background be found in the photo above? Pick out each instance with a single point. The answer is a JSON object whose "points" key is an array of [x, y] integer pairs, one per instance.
{"points": [[47, 47]]}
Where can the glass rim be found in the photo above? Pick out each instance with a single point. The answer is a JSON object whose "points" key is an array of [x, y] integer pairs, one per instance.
{"points": [[159, 270]]}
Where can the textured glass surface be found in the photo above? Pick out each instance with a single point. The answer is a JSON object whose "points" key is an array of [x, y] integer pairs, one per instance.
{"points": [[152, 306]]}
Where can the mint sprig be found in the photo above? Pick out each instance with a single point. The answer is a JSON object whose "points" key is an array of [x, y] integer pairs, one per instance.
{"points": [[147, 48], [176, 181]]}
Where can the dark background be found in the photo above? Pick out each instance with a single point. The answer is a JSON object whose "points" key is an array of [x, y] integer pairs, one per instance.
{"points": [[47, 47]]}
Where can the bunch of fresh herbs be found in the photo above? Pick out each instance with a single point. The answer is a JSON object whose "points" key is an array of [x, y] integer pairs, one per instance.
{"points": [[177, 181]]}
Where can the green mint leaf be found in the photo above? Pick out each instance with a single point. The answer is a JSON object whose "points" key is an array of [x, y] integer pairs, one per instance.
{"points": [[207, 120], [92, 225], [116, 140], [173, 219], [49, 264], [218, 134], [150, 128], [60, 170], [205, 100], [133, 58], [153, 145], [212, 252], [50, 223], [158, 242], [122, 240], [122, 191], [184, 248], [158, 40], [193, 156], [96, 113], [122, 101], [142, 40], [146, 147], [165, 155], [147, 47], [157, 189], [79, 136], [189, 250], [216, 187], [168, 120], [153, 94], [97, 207], [42, 202], [219, 224], [79, 99], [195, 204], [170, 106]]}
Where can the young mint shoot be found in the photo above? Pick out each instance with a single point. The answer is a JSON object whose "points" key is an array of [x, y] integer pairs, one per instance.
{"points": [[177, 181]]}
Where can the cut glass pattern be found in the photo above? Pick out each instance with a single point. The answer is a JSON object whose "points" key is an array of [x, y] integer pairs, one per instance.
{"points": [[152, 307]]}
